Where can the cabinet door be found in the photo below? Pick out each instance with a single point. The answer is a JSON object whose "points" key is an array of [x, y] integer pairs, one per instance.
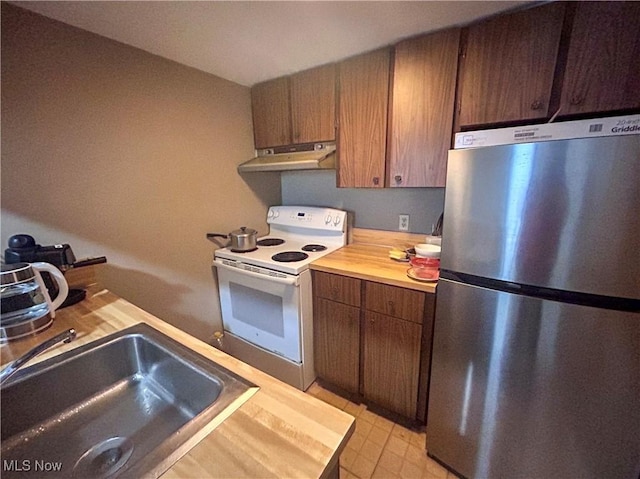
{"points": [[508, 66], [362, 119], [335, 287], [336, 343], [271, 113], [423, 101], [603, 66], [425, 356], [313, 105], [394, 301], [391, 363]]}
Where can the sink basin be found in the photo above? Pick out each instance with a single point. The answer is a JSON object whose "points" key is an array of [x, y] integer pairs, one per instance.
{"points": [[126, 405]]}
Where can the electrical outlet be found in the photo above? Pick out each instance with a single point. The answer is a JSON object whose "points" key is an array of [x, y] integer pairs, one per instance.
{"points": [[403, 222]]}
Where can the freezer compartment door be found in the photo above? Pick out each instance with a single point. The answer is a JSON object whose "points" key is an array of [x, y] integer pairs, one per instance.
{"points": [[558, 214], [528, 388]]}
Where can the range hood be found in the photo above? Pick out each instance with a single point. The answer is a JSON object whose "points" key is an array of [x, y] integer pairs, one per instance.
{"points": [[310, 156]]}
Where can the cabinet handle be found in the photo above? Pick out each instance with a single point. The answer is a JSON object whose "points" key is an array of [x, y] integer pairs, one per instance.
{"points": [[576, 100], [398, 179], [334, 293], [392, 308], [536, 105], [376, 180]]}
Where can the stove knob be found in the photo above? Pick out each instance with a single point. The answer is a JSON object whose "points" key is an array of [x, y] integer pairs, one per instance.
{"points": [[327, 219], [276, 213], [270, 213], [336, 222]]}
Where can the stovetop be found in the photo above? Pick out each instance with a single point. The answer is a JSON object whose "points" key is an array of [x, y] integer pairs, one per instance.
{"points": [[308, 233], [264, 255]]}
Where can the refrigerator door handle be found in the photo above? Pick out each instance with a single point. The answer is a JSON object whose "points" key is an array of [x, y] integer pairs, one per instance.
{"points": [[572, 297]]}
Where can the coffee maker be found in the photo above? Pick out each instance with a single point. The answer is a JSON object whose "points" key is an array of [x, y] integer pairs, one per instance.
{"points": [[23, 249]]}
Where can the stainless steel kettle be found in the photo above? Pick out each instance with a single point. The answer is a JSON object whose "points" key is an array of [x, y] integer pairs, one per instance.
{"points": [[26, 307], [241, 240]]}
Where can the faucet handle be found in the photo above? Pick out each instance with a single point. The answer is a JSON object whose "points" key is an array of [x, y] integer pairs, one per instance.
{"points": [[71, 335]]}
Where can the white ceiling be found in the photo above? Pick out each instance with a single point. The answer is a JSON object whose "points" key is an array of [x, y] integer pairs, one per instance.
{"points": [[251, 41]]}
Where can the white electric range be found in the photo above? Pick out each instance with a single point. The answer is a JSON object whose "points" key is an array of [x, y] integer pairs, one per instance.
{"points": [[266, 293]]}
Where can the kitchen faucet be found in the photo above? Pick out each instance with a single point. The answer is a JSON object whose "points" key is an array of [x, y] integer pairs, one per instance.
{"points": [[13, 367]]}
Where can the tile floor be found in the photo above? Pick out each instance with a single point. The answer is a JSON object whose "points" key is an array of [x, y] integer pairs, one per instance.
{"points": [[380, 448]]}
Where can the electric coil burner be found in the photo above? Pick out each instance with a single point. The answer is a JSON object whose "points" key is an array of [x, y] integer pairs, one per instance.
{"points": [[289, 256], [243, 251], [270, 242], [314, 247], [266, 294]]}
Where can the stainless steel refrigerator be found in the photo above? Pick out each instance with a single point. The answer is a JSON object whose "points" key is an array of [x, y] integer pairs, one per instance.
{"points": [[536, 355]]}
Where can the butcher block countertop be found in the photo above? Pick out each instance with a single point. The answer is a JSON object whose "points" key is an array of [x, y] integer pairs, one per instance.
{"points": [[367, 258], [275, 432]]}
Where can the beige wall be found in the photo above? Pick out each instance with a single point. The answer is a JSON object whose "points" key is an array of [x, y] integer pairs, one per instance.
{"points": [[125, 154]]}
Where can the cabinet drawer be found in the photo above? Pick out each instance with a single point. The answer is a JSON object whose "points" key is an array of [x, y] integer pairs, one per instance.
{"points": [[337, 288], [393, 301]]}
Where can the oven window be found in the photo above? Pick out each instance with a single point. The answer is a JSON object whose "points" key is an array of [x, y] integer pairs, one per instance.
{"points": [[261, 310]]}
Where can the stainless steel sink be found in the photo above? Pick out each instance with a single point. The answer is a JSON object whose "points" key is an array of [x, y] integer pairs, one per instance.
{"points": [[122, 406]]}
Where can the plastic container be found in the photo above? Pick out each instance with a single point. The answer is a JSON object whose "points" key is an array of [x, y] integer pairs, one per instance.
{"points": [[431, 239], [427, 250], [425, 268]]}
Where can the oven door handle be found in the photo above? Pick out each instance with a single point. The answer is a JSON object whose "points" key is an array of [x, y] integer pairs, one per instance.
{"points": [[291, 281]]}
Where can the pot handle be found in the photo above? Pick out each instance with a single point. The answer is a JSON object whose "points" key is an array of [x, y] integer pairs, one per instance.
{"points": [[216, 235], [62, 285]]}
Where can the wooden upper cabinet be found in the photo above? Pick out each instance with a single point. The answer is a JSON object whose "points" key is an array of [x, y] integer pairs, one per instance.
{"points": [[300, 108], [422, 106], [603, 62], [313, 105], [508, 66], [362, 119], [271, 113]]}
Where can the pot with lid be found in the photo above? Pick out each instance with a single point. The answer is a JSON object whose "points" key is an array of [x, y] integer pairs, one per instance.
{"points": [[240, 241], [26, 307]]}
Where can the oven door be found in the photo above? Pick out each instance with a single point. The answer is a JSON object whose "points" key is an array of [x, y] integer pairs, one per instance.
{"points": [[261, 309]]}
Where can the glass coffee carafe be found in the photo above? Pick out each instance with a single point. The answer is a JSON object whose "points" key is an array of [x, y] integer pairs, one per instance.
{"points": [[26, 305]]}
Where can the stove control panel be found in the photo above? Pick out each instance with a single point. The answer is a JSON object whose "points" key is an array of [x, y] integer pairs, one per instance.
{"points": [[308, 217]]}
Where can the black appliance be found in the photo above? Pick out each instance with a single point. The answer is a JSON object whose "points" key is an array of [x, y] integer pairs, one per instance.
{"points": [[24, 249]]}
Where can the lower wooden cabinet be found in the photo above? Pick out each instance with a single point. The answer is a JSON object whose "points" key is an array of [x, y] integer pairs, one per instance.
{"points": [[391, 362], [336, 337], [374, 340]]}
